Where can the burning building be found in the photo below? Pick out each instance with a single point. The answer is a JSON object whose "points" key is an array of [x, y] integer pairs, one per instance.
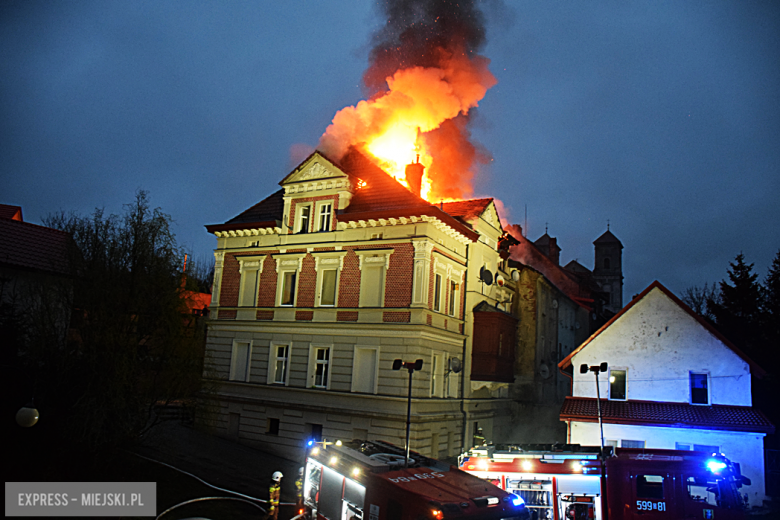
{"points": [[321, 286]]}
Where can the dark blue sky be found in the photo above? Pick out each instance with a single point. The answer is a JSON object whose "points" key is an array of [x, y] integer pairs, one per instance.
{"points": [[663, 117]]}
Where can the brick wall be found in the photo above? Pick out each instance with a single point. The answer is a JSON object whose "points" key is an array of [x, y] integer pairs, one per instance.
{"points": [[307, 283], [267, 292], [349, 282]]}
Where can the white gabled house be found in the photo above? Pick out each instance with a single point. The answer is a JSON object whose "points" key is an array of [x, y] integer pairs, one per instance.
{"points": [[673, 382]]}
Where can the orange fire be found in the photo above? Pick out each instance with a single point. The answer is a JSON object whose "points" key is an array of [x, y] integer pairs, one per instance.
{"points": [[422, 113]]}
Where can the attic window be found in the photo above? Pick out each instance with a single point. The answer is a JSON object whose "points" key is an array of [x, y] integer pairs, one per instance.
{"points": [[699, 388]]}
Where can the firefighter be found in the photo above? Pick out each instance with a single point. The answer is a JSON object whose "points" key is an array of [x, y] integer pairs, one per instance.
{"points": [[273, 496], [299, 490]]}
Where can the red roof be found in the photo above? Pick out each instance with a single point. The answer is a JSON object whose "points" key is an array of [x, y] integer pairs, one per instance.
{"points": [[11, 212], [754, 369], [381, 197], [468, 209], [29, 246], [682, 415]]}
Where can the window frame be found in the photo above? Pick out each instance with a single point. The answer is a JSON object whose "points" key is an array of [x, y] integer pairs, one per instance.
{"points": [[299, 218], [437, 374], [273, 359], [374, 259], [232, 376], [356, 376], [438, 280], [625, 384], [322, 214], [314, 362], [691, 374], [247, 265]]}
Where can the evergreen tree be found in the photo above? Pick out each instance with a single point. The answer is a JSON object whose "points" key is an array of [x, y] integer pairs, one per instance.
{"points": [[738, 310], [772, 306]]}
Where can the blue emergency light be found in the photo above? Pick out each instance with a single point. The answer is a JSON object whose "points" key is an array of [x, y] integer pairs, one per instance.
{"points": [[715, 465], [517, 500]]}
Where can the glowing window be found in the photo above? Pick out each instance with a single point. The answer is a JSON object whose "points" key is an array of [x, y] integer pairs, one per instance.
{"points": [[617, 385]]}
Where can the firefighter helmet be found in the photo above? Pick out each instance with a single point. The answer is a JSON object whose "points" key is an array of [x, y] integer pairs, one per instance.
{"points": [[277, 476]]}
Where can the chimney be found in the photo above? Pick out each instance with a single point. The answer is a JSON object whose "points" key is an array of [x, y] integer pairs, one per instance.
{"points": [[414, 174]]}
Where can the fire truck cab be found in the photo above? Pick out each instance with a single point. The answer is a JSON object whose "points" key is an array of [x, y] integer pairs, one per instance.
{"points": [[565, 482], [364, 480]]}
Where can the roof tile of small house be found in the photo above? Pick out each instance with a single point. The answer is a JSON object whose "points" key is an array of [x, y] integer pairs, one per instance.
{"points": [[681, 415], [29, 246]]}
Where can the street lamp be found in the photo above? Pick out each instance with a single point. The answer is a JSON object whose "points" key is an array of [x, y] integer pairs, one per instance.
{"points": [[398, 364], [596, 369]]}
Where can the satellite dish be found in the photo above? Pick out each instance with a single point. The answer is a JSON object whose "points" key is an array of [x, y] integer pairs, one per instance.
{"points": [[516, 275], [455, 365], [486, 276]]}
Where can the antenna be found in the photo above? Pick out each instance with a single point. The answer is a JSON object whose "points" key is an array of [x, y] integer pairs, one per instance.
{"points": [[607, 224]]}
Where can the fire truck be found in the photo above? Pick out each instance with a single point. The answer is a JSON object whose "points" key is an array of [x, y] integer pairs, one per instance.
{"points": [[566, 482], [375, 480]]}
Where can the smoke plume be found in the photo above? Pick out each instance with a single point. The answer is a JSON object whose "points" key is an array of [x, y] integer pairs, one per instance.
{"points": [[425, 76]]}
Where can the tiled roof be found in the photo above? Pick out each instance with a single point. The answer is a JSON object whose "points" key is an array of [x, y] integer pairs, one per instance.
{"points": [[29, 246], [468, 209], [270, 209], [382, 192], [11, 212], [754, 369], [682, 415]]}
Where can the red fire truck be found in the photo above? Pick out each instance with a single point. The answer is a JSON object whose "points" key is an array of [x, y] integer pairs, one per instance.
{"points": [[375, 481], [565, 483]]}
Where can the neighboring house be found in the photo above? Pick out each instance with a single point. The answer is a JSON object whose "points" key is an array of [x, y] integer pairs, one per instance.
{"points": [[319, 287], [31, 257], [673, 382], [558, 308]]}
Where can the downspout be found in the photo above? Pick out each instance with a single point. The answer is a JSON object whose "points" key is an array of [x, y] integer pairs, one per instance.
{"points": [[463, 357]]}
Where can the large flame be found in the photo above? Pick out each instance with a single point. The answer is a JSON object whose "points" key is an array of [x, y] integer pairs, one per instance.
{"points": [[423, 113]]}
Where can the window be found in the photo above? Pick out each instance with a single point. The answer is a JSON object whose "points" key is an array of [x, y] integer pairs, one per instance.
{"points": [[699, 388], [328, 287], [625, 443], [325, 217], [435, 445], [706, 448], [372, 285], [315, 433], [606, 263], [650, 486], [364, 370], [682, 446], [240, 361], [453, 298], [278, 364], [321, 368], [373, 266], [287, 294], [617, 385], [248, 285], [304, 219], [437, 374], [272, 426], [437, 293]]}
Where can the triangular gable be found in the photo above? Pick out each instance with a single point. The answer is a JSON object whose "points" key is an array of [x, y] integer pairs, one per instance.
{"points": [[316, 167], [754, 369]]}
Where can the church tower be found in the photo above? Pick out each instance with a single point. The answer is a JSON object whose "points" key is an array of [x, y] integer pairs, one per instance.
{"points": [[608, 269]]}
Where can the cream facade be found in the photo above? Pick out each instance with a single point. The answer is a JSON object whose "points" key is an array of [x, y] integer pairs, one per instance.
{"points": [[319, 287]]}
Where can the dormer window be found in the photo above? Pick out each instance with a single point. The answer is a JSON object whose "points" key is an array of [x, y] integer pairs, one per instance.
{"points": [[325, 216]]}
